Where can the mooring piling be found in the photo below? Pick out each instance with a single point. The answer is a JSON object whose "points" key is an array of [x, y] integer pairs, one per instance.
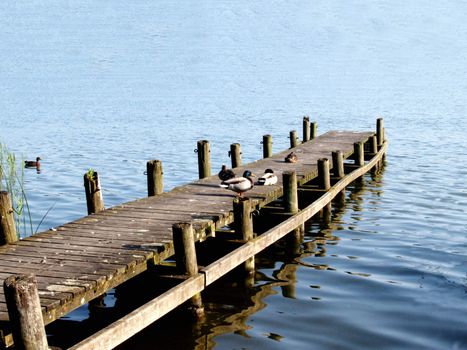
{"points": [[185, 257], [24, 310], [358, 154], [306, 129], [243, 222], [92, 187], [293, 139], [324, 184], [313, 130], [380, 131], [155, 177], [289, 181], [267, 146], [338, 173], [235, 155], [204, 159], [8, 233]]}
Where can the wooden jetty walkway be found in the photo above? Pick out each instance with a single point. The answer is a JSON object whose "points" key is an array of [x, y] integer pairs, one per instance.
{"points": [[81, 260]]}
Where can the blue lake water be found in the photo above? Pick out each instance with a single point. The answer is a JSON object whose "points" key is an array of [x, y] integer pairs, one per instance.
{"points": [[109, 85]]}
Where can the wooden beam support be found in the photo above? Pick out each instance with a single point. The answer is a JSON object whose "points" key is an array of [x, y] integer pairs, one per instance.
{"points": [[185, 256], [338, 164], [244, 226], [358, 153]]}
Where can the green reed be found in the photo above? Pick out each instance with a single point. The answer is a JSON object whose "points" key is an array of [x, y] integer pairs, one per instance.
{"points": [[12, 181]]}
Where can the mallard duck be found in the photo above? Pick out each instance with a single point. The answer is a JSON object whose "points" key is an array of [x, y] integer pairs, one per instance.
{"points": [[268, 178], [226, 174], [291, 158], [239, 184], [32, 163]]}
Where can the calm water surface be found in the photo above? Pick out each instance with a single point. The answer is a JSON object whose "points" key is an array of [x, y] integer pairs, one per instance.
{"points": [[109, 85]]}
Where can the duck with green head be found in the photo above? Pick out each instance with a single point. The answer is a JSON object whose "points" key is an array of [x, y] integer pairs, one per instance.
{"points": [[239, 184]]}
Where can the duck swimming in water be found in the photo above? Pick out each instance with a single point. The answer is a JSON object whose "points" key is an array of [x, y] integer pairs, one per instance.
{"points": [[239, 184], [226, 174], [32, 163], [291, 158], [268, 178]]}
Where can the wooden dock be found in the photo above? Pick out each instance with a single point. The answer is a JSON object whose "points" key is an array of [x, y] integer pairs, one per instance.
{"points": [[81, 260]]}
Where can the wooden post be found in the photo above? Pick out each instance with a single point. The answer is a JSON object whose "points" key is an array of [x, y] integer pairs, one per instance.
{"points": [[373, 149], [289, 180], [24, 310], [244, 227], [204, 159], [338, 164], [92, 187], [338, 173], [324, 178], [358, 154], [7, 221], [155, 177], [380, 131], [313, 130], [306, 129], [324, 183], [185, 256], [293, 139], [235, 155], [267, 146], [373, 145]]}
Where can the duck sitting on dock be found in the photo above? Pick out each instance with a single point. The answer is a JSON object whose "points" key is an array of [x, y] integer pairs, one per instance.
{"points": [[226, 174], [239, 184], [32, 163], [268, 178], [291, 158]]}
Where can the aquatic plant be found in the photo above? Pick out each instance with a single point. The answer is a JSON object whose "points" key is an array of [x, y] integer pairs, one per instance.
{"points": [[12, 181]]}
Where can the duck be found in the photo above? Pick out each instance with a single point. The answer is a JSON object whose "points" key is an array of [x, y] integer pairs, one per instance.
{"points": [[239, 184], [291, 158], [268, 178], [32, 163], [226, 174]]}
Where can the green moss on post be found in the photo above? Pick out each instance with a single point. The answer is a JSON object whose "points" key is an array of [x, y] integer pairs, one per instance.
{"points": [[92, 187]]}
